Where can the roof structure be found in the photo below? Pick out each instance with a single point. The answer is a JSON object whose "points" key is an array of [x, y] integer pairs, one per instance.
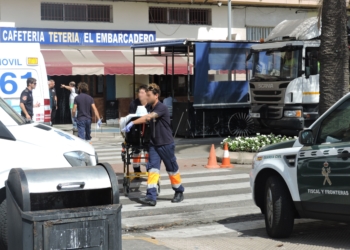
{"points": [[300, 29]]}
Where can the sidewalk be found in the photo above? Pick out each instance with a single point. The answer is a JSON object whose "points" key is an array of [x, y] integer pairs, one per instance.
{"points": [[105, 133]]}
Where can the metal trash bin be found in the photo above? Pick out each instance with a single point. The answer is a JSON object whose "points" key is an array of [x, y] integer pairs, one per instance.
{"points": [[64, 208]]}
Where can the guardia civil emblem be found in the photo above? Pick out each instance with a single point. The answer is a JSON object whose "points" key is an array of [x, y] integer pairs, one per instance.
{"points": [[326, 170]]}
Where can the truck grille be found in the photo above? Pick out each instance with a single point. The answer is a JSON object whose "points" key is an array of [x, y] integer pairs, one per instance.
{"points": [[268, 92], [274, 112]]}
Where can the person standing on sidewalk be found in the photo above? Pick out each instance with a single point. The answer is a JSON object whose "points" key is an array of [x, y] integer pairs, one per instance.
{"points": [[73, 94], [53, 100], [140, 101], [84, 104], [162, 147], [26, 102]]}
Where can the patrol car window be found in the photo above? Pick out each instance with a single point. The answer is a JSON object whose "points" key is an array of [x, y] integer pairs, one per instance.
{"points": [[336, 126], [11, 112]]}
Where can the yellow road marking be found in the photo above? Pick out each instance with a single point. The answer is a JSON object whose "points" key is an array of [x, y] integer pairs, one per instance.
{"points": [[311, 93], [148, 239]]}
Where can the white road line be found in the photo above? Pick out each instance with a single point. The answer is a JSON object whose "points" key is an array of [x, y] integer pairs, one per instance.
{"points": [[204, 171], [206, 215], [192, 190], [108, 153], [108, 149], [109, 158], [194, 179], [214, 229], [188, 202]]}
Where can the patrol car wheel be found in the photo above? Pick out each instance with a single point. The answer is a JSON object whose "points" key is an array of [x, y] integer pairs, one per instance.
{"points": [[279, 211], [3, 225]]}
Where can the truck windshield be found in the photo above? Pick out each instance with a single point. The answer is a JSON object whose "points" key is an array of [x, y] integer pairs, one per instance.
{"points": [[276, 64], [4, 107]]}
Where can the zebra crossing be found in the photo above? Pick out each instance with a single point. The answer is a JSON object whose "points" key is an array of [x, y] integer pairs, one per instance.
{"points": [[211, 197], [108, 151]]}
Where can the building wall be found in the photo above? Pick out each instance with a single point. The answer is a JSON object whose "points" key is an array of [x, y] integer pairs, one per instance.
{"points": [[124, 84], [132, 16]]}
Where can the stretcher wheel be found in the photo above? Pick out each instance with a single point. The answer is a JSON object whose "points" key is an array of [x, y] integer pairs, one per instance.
{"points": [[158, 188], [126, 186]]}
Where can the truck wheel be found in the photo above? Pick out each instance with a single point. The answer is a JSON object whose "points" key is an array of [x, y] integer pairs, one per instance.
{"points": [[279, 210], [3, 225]]}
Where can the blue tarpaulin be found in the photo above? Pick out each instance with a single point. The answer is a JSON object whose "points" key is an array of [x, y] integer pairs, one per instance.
{"points": [[224, 57]]}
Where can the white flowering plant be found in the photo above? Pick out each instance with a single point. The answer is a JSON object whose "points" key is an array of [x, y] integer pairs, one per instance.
{"points": [[253, 144]]}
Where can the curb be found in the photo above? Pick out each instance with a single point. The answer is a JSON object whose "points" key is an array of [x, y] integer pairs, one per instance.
{"points": [[245, 158]]}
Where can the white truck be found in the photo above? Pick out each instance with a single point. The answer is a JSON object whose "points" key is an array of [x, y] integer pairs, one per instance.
{"points": [[284, 87], [19, 61], [307, 178]]}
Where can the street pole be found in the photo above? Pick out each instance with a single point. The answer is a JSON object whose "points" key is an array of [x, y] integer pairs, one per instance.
{"points": [[229, 35]]}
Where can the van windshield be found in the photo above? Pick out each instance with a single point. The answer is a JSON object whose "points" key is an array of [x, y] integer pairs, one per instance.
{"points": [[277, 64], [11, 112]]}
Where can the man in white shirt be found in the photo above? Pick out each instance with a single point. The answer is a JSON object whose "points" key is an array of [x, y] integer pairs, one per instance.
{"points": [[73, 94]]}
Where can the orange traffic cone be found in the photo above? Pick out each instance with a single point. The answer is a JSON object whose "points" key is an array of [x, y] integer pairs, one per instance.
{"points": [[212, 163], [226, 159]]}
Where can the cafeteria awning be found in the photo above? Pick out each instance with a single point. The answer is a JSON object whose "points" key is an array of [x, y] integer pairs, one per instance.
{"points": [[108, 62]]}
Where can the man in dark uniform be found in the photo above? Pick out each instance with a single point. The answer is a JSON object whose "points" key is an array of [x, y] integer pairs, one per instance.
{"points": [[140, 101], [26, 102], [53, 100], [162, 148]]}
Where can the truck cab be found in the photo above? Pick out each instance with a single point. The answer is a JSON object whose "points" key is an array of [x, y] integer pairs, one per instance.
{"points": [[308, 177], [284, 87]]}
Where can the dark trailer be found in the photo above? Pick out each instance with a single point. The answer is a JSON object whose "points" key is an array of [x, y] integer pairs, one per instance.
{"points": [[217, 100]]}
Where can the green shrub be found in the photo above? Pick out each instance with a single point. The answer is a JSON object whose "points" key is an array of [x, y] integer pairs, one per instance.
{"points": [[253, 144]]}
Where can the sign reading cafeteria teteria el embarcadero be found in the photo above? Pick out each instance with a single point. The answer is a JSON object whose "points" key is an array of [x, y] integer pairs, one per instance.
{"points": [[76, 37]]}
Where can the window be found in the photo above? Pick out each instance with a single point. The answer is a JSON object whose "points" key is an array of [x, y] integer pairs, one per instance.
{"points": [[336, 126], [256, 33], [277, 64], [179, 16], [312, 62], [76, 12]]}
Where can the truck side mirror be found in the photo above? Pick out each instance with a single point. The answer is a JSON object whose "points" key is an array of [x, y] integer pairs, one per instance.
{"points": [[307, 72], [306, 137]]}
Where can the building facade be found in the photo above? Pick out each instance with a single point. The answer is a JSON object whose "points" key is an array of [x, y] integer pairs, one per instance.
{"points": [[90, 40]]}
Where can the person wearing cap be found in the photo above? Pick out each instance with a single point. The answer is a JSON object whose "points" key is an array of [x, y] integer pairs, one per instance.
{"points": [[73, 94], [162, 148], [140, 101]]}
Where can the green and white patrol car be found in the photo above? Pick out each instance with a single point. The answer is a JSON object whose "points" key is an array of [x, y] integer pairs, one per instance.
{"points": [[308, 177]]}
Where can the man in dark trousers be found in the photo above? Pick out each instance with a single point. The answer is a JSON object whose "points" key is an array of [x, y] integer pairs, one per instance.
{"points": [[26, 102], [53, 100], [140, 101], [162, 148], [84, 104]]}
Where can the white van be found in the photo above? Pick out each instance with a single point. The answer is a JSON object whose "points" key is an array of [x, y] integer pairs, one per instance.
{"points": [[19, 61], [35, 146]]}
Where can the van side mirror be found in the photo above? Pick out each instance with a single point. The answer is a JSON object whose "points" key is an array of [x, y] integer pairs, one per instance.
{"points": [[306, 137]]}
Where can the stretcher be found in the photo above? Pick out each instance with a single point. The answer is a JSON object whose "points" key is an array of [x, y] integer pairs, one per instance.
{"points": [[135, 142]]}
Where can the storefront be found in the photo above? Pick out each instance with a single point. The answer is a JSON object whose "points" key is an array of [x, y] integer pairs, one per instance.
{"points": [[101, 58]]}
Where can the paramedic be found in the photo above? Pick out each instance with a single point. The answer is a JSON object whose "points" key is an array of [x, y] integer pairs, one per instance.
{"points": [[162, 147]]}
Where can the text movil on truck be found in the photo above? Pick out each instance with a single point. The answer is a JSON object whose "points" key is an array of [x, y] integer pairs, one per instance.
{"points": [[284, 87]]}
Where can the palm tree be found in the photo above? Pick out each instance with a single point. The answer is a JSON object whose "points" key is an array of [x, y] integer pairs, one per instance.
{"points": [[334, 53]]}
